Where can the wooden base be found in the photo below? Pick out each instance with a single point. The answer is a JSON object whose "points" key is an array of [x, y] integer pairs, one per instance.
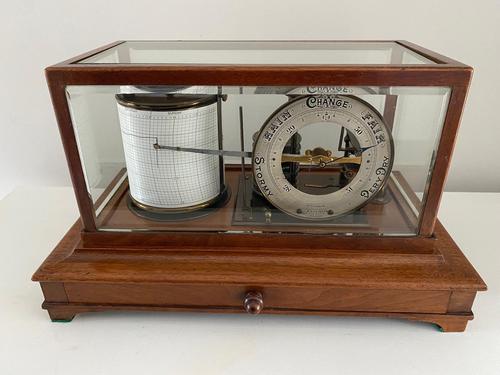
{"points": [[424, 279], [65, 312]]}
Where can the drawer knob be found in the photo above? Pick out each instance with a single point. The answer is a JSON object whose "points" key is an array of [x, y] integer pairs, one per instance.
{"points": [[253, 303]]}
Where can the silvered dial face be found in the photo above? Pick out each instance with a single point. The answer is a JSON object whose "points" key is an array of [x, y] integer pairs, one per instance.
{"points": [[374, 155]]}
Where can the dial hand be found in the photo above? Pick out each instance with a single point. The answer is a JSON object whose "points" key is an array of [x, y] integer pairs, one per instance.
{"points": [[363, 149], [319, 156], [345, 160], [319, 159]]}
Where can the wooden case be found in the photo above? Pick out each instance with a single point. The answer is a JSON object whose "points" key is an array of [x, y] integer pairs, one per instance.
{"points": [[424, 277]]}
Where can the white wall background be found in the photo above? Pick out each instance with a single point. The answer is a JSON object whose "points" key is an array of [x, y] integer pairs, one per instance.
{"points": [[36, 34]]}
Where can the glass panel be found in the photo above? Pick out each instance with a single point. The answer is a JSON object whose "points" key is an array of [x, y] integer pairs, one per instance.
{"points": [[265, 53], [330, 160]]}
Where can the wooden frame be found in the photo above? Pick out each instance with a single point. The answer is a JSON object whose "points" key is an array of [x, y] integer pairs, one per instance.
{"points": [[446, 72], [65, 286]]}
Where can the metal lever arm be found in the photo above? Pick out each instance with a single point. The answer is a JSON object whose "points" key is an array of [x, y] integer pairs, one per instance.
{"points": [[309, 158]]}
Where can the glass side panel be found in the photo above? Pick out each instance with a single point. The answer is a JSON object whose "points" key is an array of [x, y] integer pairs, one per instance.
{"points": [[317, 160], [260, 53]]}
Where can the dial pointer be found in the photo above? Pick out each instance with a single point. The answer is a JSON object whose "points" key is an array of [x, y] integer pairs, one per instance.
{"points": [[363, 149]]}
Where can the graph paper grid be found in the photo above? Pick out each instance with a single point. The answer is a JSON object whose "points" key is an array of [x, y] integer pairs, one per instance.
{"points": [[165, 178]]}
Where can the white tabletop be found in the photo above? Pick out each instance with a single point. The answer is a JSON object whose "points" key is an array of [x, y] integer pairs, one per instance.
{"points": [[33, 220]]}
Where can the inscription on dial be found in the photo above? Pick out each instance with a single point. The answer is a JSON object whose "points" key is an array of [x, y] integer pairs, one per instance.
{"points": [[259, 176], [327, 101], [275, 124]]}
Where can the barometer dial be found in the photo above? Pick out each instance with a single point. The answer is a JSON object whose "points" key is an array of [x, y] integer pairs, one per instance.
{"points": [[372, 155]]}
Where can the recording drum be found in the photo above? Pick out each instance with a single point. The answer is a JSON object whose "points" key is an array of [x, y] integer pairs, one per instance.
{"points": [[163, 181]]}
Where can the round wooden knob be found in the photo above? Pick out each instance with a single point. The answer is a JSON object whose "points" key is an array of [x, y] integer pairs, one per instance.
{"points": [[253, 303]]}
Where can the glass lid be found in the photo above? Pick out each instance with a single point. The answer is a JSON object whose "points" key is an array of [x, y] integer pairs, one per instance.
{"points": [[258, 53]]}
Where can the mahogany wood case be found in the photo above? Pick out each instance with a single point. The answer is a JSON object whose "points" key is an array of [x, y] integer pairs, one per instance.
{"points": [[425, 277]]}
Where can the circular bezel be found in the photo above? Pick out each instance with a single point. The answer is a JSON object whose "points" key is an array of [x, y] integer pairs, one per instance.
{"points": [[359, 118]]}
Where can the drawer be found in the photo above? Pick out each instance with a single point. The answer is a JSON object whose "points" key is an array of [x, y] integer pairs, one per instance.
{"points": [[282, 298]]}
